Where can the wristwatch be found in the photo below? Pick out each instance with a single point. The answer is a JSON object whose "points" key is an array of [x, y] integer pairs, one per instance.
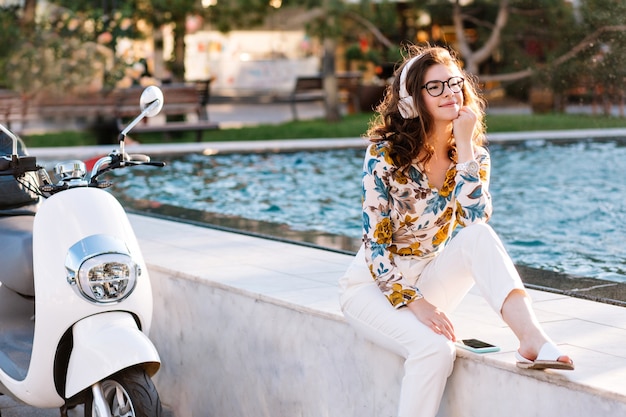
{"points": [[470, 167]]}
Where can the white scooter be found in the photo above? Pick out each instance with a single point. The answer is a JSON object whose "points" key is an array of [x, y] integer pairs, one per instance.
{"points": [[75, 295]]}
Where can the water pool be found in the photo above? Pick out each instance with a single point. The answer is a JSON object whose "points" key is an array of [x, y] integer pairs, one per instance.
{"points": [[560, 207]]}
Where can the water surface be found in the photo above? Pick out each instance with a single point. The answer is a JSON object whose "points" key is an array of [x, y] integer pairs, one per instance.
{"points": [[556, 207]]}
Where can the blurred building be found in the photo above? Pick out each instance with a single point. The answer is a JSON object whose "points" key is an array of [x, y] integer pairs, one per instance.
{"points": [[244, 62]]}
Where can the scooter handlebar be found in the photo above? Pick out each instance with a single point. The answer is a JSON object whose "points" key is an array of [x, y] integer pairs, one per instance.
{"points": [[155, 164], [140, 159], [5, 164]]}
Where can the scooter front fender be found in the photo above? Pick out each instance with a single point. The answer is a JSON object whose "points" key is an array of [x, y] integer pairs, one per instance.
{"points": [[105, 344]]}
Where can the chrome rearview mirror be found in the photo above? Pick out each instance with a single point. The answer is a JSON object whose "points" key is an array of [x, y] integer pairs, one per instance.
{"points": [[151, 103], [151, 100]]}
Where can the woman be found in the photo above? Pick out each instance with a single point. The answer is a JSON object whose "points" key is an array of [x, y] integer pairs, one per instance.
{"points": [[426, 203]]}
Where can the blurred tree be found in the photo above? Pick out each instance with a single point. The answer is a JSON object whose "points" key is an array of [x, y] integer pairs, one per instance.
{"points": [[28, 15], [69, 48], [175, 12], [474, 57], [547, 42], [540, 44], [225, 15], [603, 50], [103, 20], [537, 34], [366, 24], [50, 64], [11, 31]]}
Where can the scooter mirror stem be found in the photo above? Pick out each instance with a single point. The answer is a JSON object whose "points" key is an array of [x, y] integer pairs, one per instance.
{"points": [[122, 137], [12, 136], [148, 109], [146, 112]]}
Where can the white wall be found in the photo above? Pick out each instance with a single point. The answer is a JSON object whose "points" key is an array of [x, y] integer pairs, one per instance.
{"points": [[250, 61]]}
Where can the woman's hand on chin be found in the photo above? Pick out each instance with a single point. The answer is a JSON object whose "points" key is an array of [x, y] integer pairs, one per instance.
{"points": [[463, 130]]}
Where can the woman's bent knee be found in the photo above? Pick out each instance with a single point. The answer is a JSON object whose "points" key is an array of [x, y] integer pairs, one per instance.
{"points": [[476, 229], [437, 354]]}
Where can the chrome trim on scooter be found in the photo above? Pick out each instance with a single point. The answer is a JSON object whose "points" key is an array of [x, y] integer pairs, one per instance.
{"points": [[70, 170], [99, 403], [101, 269]]}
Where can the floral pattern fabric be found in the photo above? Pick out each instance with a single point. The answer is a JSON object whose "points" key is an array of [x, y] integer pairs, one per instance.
{"points": [[404, 215]]}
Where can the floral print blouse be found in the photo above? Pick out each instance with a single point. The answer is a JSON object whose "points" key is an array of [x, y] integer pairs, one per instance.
{"points": [[404, 215]]}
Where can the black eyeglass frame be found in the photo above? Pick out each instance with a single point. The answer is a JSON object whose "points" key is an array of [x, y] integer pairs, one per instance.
{"points": [[443, 86]]}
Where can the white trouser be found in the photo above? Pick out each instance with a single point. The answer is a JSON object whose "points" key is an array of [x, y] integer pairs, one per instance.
{"points": [[474, 255]]}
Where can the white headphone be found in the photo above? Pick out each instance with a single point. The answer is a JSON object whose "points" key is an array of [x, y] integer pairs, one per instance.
{"points": [[406, 104]]}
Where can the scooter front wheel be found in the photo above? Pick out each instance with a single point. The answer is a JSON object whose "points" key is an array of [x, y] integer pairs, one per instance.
{"points": [[129, 393]]}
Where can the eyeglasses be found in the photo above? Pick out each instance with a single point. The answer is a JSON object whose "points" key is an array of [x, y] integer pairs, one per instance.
{"points": [[436, 88]]}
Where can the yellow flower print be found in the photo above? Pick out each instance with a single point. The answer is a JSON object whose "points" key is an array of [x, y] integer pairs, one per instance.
{"points": [[383, 151], [395, 298], [408, 221], [383, 231], [448, 184], [400, 177], [400, 295], [441, 235], [412, 249], [460, 214], [445, 217]]}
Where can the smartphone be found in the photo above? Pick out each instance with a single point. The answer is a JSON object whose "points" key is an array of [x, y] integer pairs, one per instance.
{"points": [[477, 346]]}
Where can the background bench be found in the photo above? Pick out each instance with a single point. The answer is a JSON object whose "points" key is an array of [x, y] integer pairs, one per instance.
{"points": [[15, 111], [184, 110], [311, 89]]}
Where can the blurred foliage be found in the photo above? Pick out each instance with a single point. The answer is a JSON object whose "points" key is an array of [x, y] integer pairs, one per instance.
{"points": [[52, 64], [346, 21], [605, 59], [9, 22], [355, 52], [550, 37], [68, 51], [229, 15], [538, 35], [224, 16], [538, 32]]}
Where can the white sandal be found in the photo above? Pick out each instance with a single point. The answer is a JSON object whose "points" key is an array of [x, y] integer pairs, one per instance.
{"points": [[548, 358]]}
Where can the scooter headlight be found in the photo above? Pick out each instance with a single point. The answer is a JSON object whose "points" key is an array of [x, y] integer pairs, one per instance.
{"points": [[107, 278], [101, 269]]}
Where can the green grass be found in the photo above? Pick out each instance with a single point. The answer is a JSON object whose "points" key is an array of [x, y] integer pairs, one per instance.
{"points": [[349, 126], [550, 121]]}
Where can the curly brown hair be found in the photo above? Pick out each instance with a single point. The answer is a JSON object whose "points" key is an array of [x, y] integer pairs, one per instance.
{"points": [[407, 137]]}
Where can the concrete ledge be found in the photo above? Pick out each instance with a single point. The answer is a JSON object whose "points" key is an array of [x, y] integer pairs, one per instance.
{"points": [[251, 327], [236, 353], [477, 388]]}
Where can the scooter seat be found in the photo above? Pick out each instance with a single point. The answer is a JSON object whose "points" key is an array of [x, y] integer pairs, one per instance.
{"points": [[16, 256]]}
